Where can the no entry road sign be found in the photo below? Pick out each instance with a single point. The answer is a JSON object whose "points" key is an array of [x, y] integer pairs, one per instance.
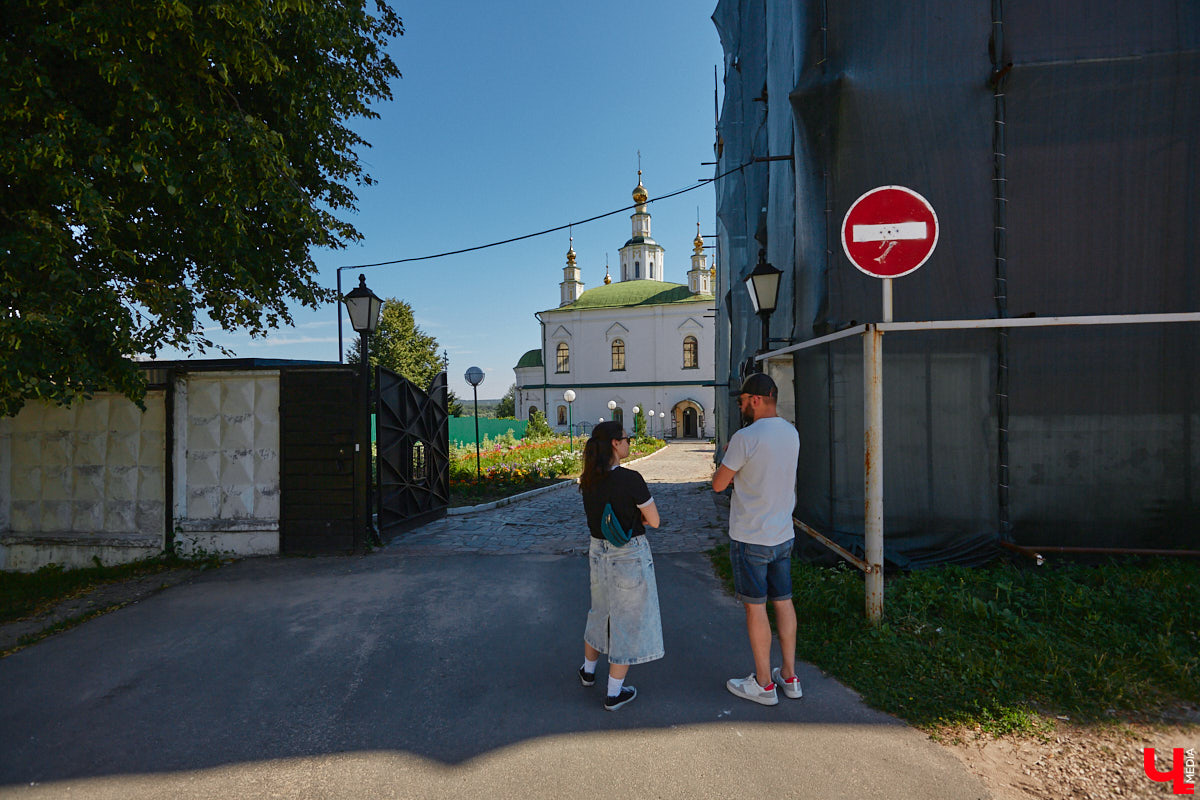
{"points": [[890, 231]]}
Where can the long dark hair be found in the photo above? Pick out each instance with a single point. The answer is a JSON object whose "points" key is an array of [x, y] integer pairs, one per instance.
{"points": [[598, 454]]}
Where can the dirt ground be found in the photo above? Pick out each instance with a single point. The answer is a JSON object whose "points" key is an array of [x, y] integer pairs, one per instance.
{"points": [[1079, 762], [101, 599], [1071, 762]]}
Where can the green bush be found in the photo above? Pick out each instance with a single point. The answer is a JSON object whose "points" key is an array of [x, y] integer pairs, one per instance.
{"points": [[538, 429]]}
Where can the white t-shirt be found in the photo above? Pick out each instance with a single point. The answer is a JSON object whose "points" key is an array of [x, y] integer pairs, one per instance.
{"points": [[764, 490]]}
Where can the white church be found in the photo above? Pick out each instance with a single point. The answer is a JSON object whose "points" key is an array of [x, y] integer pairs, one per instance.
{"points": [[641, 342]]}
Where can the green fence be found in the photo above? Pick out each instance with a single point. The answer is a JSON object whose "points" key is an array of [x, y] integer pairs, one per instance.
{"points": [[462, 429]]}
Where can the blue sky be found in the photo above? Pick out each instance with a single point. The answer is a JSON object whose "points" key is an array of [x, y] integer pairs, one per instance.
{"points": [[511, 119]]}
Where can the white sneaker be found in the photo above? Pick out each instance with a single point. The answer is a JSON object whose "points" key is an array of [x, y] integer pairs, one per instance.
{"points": [[748, 688], [790, 688]]}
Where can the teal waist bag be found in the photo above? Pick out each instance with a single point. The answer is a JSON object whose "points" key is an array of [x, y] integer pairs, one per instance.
{"points": [[610, 526]]}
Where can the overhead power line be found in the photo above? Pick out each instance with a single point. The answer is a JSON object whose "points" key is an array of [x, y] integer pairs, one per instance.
{"points": [[703, 182]]}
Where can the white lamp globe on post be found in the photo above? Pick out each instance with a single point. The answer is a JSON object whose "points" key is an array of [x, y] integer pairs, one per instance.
{"points": [[363, 307], [636, 409], [569, 396], [612, 405], [474, 376]]}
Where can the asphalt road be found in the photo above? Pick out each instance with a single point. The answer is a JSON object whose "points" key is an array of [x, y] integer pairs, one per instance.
{"points": [[427, 676]]}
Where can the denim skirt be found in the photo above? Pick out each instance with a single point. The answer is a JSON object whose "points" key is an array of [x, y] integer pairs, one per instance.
{"points": [[624, 620]]}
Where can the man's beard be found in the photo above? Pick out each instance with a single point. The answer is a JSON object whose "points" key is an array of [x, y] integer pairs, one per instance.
{"points": [[747, 417]]}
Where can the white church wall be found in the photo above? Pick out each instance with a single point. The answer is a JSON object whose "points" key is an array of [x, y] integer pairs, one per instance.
{"points": [[653, 338]]}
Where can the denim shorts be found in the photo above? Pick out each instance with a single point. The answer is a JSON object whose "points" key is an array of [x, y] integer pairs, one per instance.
{"points": [[761, 572], [624, 620]]}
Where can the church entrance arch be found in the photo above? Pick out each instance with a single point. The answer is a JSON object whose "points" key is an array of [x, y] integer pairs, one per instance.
{"points": [[689, 419]]}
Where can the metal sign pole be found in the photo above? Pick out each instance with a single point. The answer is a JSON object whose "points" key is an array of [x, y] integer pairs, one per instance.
{"points": [[475, 392], [873, 468]]}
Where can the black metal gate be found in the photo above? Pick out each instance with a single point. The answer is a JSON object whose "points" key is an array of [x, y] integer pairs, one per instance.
{"points": [[413, 460]]}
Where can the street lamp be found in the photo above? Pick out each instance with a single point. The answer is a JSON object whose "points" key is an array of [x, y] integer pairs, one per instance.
{"points": [[650, 413], [569, 396], [636, 409], [763, 286], [612, 405], [474, 376], [363, 307]]}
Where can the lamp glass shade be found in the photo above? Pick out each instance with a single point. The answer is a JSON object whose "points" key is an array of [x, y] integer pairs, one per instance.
{"points": [[569, 395], [473, 376], [763, 285], [363, 306], [612, 404]]}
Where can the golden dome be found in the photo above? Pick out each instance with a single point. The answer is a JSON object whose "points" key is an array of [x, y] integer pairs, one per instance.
{"points": [[571, 253], [639, 194], [698, 242], [607, 280]]}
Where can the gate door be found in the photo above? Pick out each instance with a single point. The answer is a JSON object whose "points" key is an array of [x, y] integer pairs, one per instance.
{"points": [[413, 462], [322, 479]]}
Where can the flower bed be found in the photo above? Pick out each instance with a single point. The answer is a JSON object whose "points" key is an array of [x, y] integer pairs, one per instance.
{"points": [[508, 468]]}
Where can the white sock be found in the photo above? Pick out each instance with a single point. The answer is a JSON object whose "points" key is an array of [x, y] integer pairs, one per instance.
{"points": [[614, 685], [590, 666]]}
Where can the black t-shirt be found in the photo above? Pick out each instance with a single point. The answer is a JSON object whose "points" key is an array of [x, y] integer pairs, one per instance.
{"points": [[626, 490]]}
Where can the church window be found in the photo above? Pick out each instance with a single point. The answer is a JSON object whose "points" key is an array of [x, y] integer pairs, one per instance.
{"points": [[637, 269], [563, 362], [532, 411], [691, 356], [619, 415], [562, 415], [618, 355]]}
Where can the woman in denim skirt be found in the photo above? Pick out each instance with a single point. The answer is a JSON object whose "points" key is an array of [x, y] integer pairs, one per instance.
{"points": [[624, 620]]}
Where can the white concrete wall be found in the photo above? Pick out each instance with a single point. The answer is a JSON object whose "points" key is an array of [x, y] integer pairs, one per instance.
{"points": [[227, 462], [82, 482]]}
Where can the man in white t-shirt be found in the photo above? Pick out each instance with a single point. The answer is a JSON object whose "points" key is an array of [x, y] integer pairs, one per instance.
{"points": [[760, 462]]}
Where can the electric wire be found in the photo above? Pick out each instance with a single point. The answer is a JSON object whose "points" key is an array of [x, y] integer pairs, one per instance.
{"points": [[704, 182]]}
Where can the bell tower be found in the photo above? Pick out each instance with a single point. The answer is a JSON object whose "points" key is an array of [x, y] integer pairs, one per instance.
{"points": [[699, 276], [571, 286]]}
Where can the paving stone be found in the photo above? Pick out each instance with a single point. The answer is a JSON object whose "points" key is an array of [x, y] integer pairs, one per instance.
{"points": [[679, 477]]}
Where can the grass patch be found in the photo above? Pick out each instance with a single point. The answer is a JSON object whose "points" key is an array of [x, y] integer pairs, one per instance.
{"points": [[998, 646], [23, 594]]}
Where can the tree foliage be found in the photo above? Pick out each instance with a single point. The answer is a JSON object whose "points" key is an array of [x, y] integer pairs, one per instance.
{"points": [[507, 408], [163, 160], [400, 345]]}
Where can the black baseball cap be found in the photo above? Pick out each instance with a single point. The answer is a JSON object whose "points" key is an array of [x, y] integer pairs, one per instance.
{"points": [[757, 383]]}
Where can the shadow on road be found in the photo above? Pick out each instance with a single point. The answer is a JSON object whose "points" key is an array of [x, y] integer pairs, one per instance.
{"points": [[444, 657]]}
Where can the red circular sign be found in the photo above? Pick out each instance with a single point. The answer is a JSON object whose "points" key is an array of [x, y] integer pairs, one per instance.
{"points": [[889, 232]]}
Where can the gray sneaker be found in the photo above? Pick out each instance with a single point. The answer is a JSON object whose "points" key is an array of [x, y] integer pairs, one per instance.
{"points": [[790, 688], [748, 688]]}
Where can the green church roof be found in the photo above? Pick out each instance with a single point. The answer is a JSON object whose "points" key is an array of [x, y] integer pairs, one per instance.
{"points": [[635, 293], [531, 359]]}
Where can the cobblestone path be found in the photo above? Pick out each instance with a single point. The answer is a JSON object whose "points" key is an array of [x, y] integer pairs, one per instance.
{"points": [[679, 477]]}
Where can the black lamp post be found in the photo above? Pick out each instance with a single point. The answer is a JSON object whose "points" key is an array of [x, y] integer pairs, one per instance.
{"points": [[363, 307], [763, 286]]}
